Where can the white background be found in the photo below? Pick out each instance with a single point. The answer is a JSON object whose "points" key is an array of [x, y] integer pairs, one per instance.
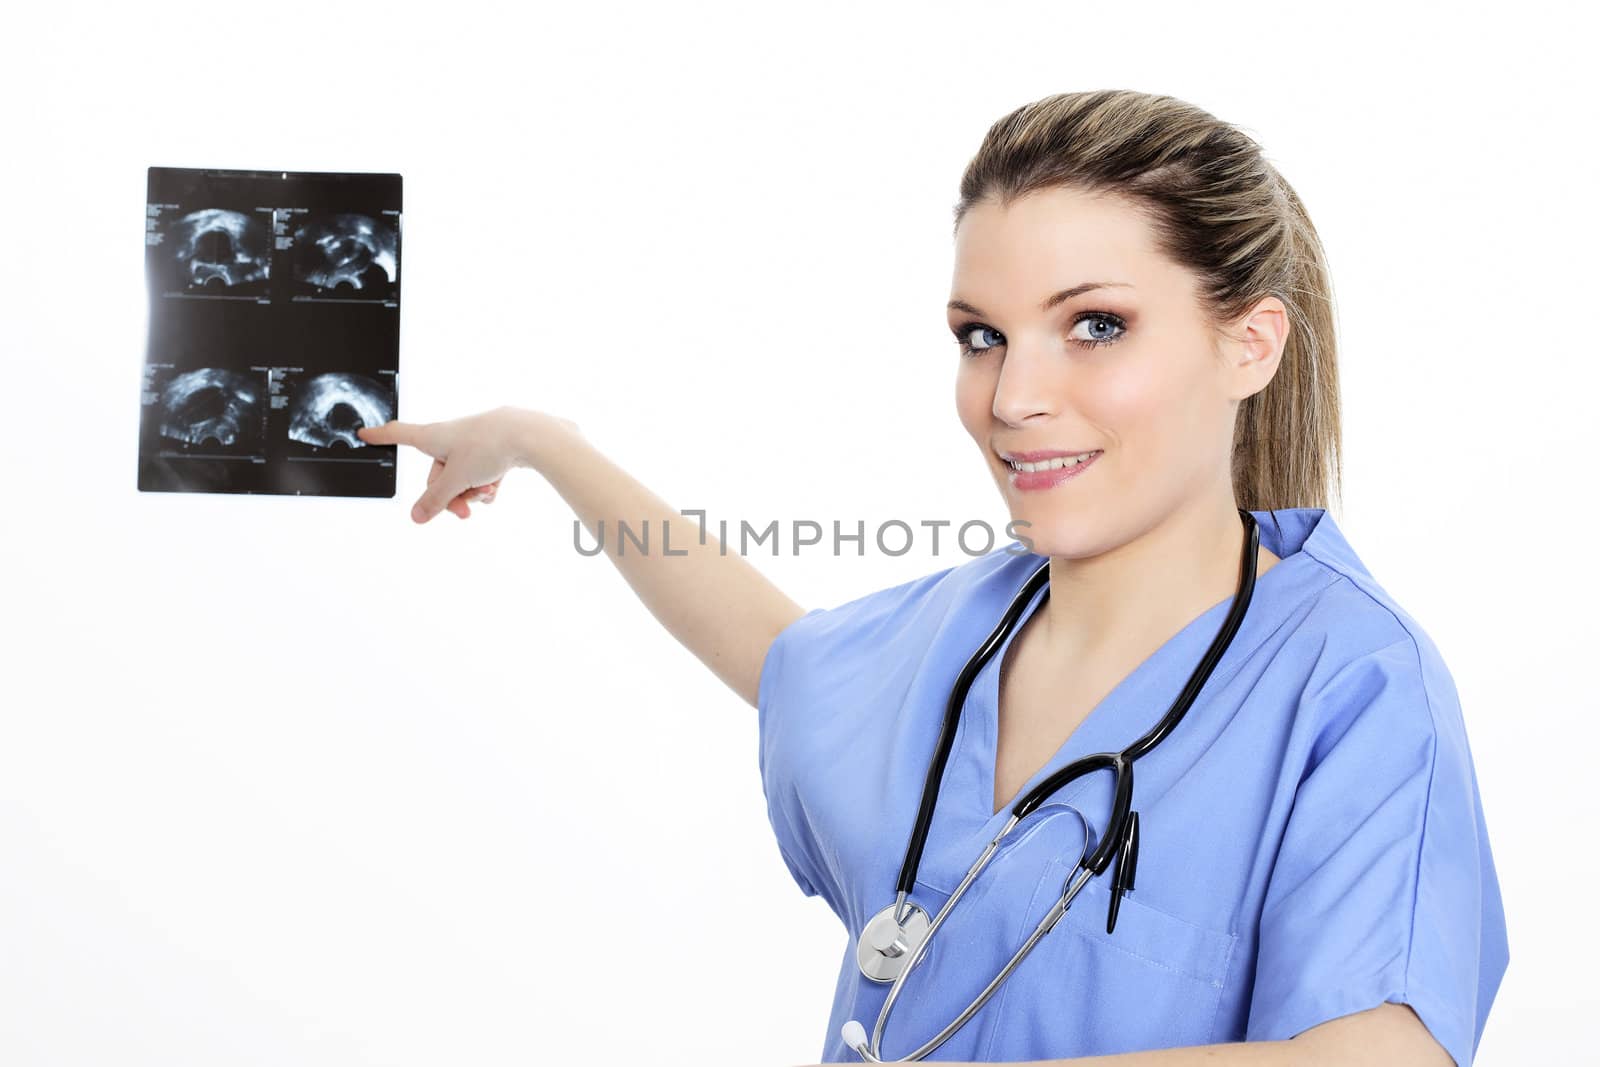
{"points": [[297, 781]]}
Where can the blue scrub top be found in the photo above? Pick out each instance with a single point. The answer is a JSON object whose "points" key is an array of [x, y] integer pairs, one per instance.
{"points": [[1311, 837]]}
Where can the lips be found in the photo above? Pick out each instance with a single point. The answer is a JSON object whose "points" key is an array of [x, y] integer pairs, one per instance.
{"points": [[1050, 476], [1039, 456]]}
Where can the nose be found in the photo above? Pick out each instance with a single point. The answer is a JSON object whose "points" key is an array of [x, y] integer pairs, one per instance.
{"points": [[1029, 384]]}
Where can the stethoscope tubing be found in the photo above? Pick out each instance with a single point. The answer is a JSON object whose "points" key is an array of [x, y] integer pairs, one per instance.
{"points": [[1070, 890], [1045, 789], [1122, 836]]}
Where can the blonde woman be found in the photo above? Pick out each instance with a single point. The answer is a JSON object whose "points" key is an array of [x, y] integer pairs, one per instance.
{"points": [[1147, 369]]}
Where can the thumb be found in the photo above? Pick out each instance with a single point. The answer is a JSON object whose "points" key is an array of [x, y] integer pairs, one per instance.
{"points": [[393, 432], [439, 493]]}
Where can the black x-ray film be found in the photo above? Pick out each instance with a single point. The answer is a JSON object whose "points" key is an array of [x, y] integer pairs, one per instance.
{"points": [[274, 332]]}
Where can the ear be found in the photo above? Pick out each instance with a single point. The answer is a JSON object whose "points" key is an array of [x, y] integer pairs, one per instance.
{"points": [[1255, 346]]}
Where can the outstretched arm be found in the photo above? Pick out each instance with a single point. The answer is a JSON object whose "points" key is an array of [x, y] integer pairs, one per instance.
{"points": [[717, 605]]}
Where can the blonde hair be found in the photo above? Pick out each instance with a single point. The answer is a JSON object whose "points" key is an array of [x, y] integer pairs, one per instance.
{"points": [[1219, 209]]}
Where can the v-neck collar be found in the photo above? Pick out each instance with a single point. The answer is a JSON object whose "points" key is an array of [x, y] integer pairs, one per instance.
{"points": [[1102, 729]]}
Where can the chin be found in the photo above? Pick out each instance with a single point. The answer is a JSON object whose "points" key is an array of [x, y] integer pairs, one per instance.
{"points": [[1043, 537]]}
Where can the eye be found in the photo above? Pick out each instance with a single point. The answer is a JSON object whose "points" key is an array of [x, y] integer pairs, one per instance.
{"points": [[1104, 328], [964, 334], [1100, 319]]}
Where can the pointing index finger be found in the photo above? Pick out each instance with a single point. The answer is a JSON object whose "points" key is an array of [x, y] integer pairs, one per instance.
{"points": [[393, 432]]}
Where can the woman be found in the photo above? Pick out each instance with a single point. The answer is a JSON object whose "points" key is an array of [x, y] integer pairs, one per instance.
{"points": [[1140, 295]]}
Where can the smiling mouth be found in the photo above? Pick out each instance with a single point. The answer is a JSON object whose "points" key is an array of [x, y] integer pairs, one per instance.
{"points": [[1056, 463]]}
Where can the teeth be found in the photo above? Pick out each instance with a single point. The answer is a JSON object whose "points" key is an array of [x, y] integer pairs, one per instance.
{"points": [[1050, 464]]}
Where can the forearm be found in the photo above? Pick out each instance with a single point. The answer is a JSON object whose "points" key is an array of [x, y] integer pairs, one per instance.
{"points": [[1239, 1054], [717, 605], [1389, 1035]]}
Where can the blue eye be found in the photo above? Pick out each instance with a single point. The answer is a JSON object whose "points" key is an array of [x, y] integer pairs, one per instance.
{"points": [[1103, 319], [963, 333], [1100, 319]]}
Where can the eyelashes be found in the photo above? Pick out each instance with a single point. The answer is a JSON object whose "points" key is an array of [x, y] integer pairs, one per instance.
{"points": [[963, 332]]}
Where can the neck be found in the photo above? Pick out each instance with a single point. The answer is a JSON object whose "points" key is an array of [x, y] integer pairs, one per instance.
{"points": [[1139, 594]]}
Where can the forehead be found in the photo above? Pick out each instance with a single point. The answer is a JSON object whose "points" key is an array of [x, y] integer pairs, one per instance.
{"points": [[1053, 238]]}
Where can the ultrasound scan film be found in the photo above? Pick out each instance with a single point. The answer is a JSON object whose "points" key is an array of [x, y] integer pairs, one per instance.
{"points": [[274, 332]]}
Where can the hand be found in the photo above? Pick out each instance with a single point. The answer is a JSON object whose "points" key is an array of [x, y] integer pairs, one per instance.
{"points": [[470, 456]]}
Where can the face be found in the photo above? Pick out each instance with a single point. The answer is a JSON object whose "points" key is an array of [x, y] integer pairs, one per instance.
{"points": [[1130, 371]]}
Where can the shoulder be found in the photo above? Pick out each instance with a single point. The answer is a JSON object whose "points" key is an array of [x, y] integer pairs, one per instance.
{"points": [[872, 647], [1368, 656], [907, 614]]}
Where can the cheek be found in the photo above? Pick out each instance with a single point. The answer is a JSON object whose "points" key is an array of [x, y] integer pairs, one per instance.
{"points": [[1128, 395], [1165, 425], [975, 400], [1142, 405]]}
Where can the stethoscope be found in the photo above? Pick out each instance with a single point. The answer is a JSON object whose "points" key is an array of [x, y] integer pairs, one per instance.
{"points": [[897, 937]]}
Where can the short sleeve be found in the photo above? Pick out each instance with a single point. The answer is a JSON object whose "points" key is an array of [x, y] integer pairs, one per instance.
{"points": [[813, 674], [1384, 887], [768, 690]]}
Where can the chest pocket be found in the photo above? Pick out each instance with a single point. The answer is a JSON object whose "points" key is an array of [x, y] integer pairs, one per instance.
{"points": [[1156, 982]]}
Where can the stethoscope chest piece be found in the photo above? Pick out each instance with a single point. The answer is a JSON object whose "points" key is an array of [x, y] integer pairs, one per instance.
{"points": [[885, 944]]}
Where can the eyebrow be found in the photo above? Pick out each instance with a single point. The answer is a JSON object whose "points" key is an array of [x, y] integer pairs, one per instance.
{"points": [[1052, 301]]}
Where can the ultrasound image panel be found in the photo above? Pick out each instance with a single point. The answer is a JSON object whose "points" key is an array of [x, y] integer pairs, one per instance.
{"points": [[273, 333], [218, 247], [332, 407], [355, 253], [214, 405]]}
